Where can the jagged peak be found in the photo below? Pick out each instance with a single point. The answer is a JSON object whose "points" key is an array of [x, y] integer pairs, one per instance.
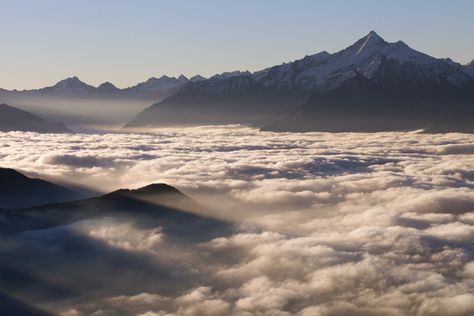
{"points": [[370, 40], [166, 78], [107, 84], [227, 75], [71, 82], [197, 78], [155, 188]]}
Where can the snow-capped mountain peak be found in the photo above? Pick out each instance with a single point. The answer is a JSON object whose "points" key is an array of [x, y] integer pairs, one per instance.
{"points": [[71, 82], [161, 84], [71, 85], [323, 71], [369, 41]]}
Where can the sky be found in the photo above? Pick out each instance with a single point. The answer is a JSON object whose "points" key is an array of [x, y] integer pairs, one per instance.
{"points": [[126, 42]]}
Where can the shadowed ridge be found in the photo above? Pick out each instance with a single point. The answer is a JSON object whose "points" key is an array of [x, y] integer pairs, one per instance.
{"points": [[155, 204], [10, 306], [158, 194], [20, 191], [155, 188], [13, 119]]}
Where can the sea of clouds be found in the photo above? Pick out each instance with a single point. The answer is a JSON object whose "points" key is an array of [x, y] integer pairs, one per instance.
{"points": [[326, 224]]}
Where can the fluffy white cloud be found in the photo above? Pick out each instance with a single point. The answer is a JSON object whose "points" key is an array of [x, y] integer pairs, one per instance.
{"points": [[121, 235], [329, 224]]}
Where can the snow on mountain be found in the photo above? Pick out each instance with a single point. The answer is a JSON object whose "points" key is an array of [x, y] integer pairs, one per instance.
{"points": [[153, 89], [237, 83], [160, 84], [70, 85], [323, 71], [469, 69], [227, 75]]}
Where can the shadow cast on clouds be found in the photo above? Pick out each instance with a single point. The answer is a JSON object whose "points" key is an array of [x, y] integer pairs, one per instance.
{"points": [[323, 224]]}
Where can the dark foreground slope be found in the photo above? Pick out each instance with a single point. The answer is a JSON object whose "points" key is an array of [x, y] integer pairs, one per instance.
{"points": [[13, 119], [19, 191], [125, 242], [148, 206]]}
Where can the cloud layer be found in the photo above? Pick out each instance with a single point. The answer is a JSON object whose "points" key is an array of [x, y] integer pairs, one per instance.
{"points": [[328, 224]]}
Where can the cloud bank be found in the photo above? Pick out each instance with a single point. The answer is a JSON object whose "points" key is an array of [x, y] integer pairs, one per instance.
{"points": [[328, 224]]}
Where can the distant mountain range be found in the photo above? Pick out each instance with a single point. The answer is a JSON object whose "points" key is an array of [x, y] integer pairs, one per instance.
{"points": [[153, 89], [372, 85], [13, 119]]}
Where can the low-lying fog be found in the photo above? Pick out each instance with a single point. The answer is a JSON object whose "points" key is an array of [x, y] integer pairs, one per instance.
{"points": [[329, 224], [82, 115]]}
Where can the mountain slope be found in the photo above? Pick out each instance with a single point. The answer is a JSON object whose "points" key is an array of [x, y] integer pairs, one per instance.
{"points": [[156, 87], [73, 88], [399, 101], [263, 96], [219, 100], [323, 71], [13, 119], [155, 204], [147, 237], [68, 86], [19, 191], [469, 69], [364, 105]]}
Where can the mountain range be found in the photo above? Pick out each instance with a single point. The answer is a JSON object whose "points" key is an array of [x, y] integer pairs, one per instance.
{"points": [[372, 85], [152, 89]]}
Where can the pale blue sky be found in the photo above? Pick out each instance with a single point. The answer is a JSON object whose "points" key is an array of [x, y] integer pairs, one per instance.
{"points": [[129, 41]]}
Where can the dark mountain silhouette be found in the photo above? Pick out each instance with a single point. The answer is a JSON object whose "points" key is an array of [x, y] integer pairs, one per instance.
{"points": [[234, 99], [107, 88], [19, 191], [10, 306], [469, 69], [453, 123], [150, 206], [13, 119], [63, 251], [152, 89], [372, 85], [395, 103], [68, 86]]}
